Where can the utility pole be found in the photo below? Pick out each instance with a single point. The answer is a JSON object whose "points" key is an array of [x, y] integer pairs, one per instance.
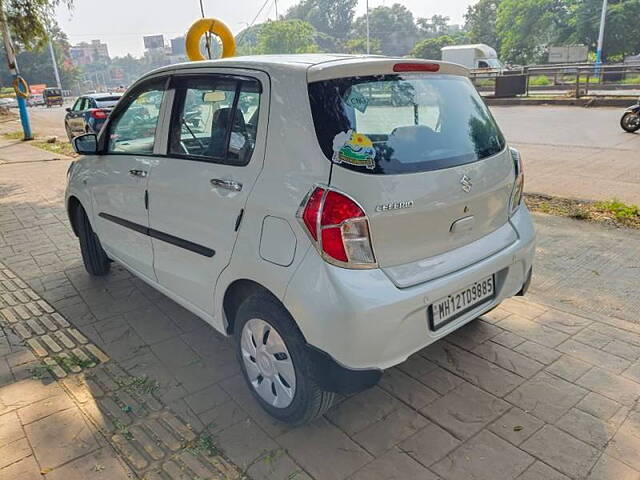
{"points": [[368, 48], [603, 19], [55, 64], [13, 68], [276, 4]]}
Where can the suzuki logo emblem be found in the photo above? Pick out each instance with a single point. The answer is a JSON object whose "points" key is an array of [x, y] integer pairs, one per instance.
{"points": [[466, 183]]}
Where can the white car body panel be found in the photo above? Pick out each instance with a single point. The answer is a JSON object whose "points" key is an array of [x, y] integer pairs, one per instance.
{"points": [[359, 317]]}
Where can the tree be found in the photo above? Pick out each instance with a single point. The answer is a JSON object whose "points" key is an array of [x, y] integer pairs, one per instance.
{"points": [[430, 47], [480, 23], [622, 36], [286, 36], [393, 27], [527, 27], [36, 65], [28, 20], [331, 17], [433, 27], [358, 46]]}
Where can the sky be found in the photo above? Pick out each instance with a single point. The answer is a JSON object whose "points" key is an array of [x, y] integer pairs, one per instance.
{"points": [[122, 23]]}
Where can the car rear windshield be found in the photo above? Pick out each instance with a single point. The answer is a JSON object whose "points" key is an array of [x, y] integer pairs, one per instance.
{"points": [[393, 124], [53, 92], [106, 102]]}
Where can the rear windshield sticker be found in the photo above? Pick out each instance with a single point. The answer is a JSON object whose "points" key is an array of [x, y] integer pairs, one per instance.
{"points": [[357, 100], [355, 149]]}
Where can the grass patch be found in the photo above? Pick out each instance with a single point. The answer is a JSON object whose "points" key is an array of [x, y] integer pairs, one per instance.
{"points": [[611, 212], [539, 81], [142, 385], [59, 147]]}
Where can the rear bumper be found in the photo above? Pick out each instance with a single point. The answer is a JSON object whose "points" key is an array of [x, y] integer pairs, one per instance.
{"points": [[362, 321]]}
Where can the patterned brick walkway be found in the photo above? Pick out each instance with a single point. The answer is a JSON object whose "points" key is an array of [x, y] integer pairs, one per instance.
{"points": [[527, 392]]}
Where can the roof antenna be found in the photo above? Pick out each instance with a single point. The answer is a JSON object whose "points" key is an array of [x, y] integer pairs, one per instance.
{"points": [[207, 34]]}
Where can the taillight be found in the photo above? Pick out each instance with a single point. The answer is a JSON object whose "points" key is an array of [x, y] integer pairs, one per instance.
{"points": [[518, 186], [416, 67], [339, 228], [99, 114]]}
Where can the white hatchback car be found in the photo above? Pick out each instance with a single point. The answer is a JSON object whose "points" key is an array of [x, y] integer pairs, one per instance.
{"points": [[334, 213]]}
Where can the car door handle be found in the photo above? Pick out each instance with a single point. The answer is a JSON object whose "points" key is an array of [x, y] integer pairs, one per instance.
{"points": [[138, 173], [226, 184]]}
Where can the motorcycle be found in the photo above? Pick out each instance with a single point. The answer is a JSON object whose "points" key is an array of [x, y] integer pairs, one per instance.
{"points": [[630, 121]]}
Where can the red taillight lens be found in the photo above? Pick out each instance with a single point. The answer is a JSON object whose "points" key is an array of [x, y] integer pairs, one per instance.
{"points": [[99, 114], [343, 230], [416, 67], [311, 211], [338, 208]]}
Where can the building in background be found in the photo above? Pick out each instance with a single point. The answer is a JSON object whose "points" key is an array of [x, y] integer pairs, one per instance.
{"points": [[85, 53]]}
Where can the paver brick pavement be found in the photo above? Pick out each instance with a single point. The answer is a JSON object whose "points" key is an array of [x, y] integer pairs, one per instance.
{"points": [[528, 391]]}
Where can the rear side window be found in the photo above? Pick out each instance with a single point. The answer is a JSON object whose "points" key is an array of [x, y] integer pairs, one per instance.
{"points": [[394, 124], [215, 119], [106, 102]]}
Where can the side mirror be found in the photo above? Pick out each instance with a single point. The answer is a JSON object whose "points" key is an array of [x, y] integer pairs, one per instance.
{"points": [[68, 109], [86, 144]]}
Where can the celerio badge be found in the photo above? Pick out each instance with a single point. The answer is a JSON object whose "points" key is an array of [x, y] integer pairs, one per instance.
{"points": [[385, 207], [465, 181]]}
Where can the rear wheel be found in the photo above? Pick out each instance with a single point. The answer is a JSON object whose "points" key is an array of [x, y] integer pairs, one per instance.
{"points": [[630, 122], [271, 352], [94, 257]]}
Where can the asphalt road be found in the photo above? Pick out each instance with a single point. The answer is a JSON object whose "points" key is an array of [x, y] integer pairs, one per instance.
{"points": [[571, 152]]}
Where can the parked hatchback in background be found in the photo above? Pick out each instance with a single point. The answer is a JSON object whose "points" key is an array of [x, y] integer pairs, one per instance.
{"points": [[334, 213], [89, 113]]}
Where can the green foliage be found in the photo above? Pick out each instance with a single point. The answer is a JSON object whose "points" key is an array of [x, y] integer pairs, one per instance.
{"points": [[430, 47], [359, 46], [393, 27], [527, 27], [480, 23], [29, 20], [286, 36], [540, 80], [330, 17], [621, 35], [620, 210]]}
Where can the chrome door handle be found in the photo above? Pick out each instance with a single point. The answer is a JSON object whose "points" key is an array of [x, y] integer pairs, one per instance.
{"points": [[138, 173], [226, 184]]}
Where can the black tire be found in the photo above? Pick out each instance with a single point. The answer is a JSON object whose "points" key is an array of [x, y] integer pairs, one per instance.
{"points": [[94, 257], [309, 400], [628, 127]]}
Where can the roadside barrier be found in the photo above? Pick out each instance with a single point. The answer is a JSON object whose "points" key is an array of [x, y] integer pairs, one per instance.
{"points": [[215, 27]]}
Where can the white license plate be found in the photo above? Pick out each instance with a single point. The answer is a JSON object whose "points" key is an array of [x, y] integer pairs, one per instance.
{"points": [[446, 309]]}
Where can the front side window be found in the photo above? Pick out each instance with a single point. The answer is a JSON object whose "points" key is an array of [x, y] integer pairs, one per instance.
{"points": [[133, 130], [394, 124], [215, 119], [78, 105]]}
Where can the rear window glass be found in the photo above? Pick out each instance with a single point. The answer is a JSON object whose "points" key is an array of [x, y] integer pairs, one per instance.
{"points": [[393, 124], [105, 102], [53, 92]]}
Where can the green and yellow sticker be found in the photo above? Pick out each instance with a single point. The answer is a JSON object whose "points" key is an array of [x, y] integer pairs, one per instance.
{"points": [[355, 149]]}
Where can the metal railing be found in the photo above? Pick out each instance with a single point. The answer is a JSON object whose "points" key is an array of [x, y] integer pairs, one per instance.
{"points": [[568, 80]]}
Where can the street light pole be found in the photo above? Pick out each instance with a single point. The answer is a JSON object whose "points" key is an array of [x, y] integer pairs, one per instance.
{"points": [[603, 19], [55, 65], [368, 48], [13, 68]]}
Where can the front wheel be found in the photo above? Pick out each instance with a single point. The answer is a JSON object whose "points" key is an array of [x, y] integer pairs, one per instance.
{"points": [[630, 122], [94, 257], [271, 352]]}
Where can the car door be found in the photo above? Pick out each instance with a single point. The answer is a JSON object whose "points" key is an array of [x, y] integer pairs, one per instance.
{"points": [[121, 175], [73, 116], [198, 191]]}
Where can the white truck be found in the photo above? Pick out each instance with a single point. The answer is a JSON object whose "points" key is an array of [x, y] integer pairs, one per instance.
{"points": [[476, 56]]}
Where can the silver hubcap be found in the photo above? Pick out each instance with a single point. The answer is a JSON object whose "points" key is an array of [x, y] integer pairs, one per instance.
{"points": [[268, 363], [632, 120]]}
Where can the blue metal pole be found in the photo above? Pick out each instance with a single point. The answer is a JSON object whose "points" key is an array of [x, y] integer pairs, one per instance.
{"points": [[603, 19], [24, 117], [13, 68]]}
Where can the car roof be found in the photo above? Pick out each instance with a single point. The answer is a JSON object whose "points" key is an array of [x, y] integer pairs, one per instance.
{"points": [[319, 65], [98, 96]]}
